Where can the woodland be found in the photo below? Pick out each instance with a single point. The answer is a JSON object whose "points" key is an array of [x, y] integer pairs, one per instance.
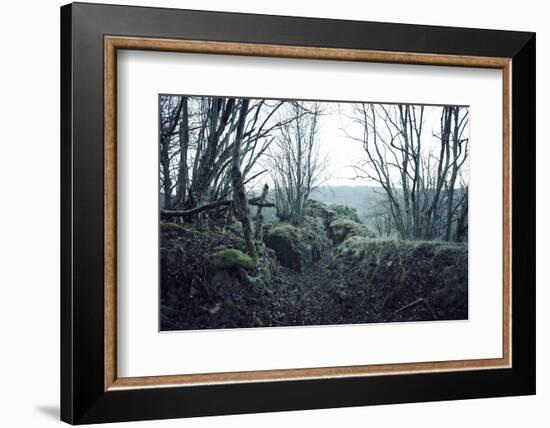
{"points": [[263, 225]]}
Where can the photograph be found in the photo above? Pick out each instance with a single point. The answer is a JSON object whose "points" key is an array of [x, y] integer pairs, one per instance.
{"points": [[263, 211], [285, 212]]}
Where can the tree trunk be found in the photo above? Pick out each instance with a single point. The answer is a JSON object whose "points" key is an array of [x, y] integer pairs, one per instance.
{"points": [[166, 180], [183, 177], [166, 130], [219, 117], [240, 201]]}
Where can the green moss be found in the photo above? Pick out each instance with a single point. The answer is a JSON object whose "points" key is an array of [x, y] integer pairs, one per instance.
{"points": [[284, 231], [425, 266], [265, 267], [318, 209], [230, 258], [353, 246], [441, 252], [344, 212], [290, 246], [344, 228], [313, 225]]}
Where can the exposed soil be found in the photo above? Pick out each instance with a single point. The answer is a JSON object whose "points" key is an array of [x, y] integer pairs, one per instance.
{"points": [[319, 296], [273, 296]]}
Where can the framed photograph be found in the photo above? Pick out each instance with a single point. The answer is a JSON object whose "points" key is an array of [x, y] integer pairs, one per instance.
{"points": [[266, 213]]}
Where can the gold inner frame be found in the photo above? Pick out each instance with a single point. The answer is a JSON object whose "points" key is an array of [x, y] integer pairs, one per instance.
{"points": [[113, 43]]}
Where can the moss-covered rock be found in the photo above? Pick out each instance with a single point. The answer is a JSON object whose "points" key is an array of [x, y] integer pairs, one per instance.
{"points": [[353, 247], [344, 212], [345, 219], [289, 245], [208, 281], [316, 209], [297, 247], [313, 225], [344, 228], [396, 273], [228, 258], [329, 213], [266, 266], [315, 234]]}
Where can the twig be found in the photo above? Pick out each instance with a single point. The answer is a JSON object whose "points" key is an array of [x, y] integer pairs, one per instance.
{"points": [[255, 176], [417, 301]]}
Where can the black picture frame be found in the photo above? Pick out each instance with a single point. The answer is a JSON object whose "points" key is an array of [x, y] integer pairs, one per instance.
{"points": [[83, 397]]}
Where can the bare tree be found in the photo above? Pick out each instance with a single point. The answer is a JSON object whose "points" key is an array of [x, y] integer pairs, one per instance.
{"points": [[419, 179], [457, 148], [295, 161], [198, 136], [183, 174], [380, 216], [240, 201], [169, 113]]}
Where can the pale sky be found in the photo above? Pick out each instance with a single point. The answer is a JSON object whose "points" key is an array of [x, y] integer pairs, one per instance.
{"points": [[334, 143], [342, 151]]}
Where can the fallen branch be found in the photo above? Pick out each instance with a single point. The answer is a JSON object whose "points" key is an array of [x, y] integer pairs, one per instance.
{"points": [[417, 301], [255, 176], [210, 206]]}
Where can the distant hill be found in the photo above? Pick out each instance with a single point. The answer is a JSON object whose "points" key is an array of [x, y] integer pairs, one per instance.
{"points": [[362, 198]]}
